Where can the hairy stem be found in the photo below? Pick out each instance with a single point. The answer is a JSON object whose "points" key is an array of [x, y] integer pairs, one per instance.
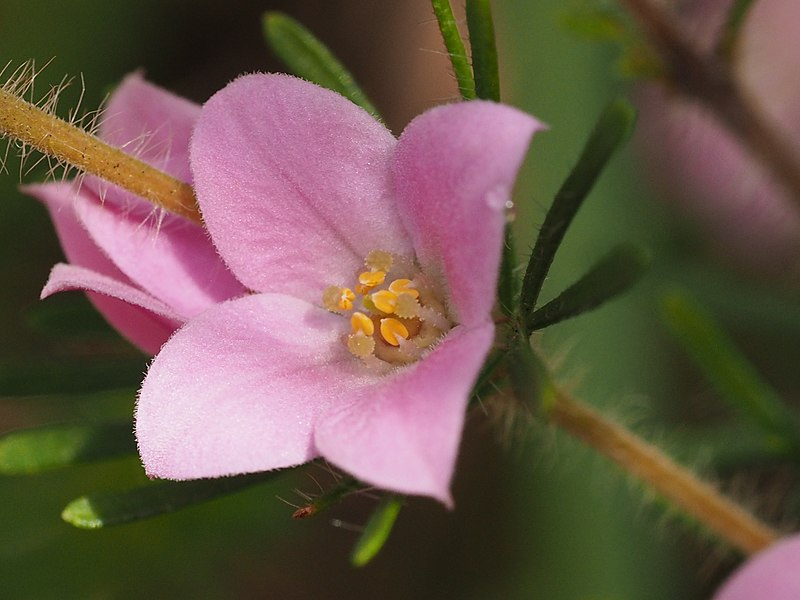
{"points": [[696, 498], [709, 79], [55, 137]]}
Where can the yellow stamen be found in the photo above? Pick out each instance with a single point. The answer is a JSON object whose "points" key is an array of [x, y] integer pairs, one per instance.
{"points": [[378, 260], [402, 286], [385, 301], [392, 331], [393, 320], [371, 278], [346, 297], [336, 298], [361, 323]]}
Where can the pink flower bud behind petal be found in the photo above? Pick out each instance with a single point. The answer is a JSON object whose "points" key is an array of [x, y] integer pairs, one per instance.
{"points": [[705, 171]]}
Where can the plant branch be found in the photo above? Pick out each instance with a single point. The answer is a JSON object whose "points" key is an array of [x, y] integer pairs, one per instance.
{"points": [[696, 498], [72, 145]]}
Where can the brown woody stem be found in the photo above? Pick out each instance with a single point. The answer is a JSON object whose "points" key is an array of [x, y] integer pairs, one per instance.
{"points": [[696, 498], [72, 145]]}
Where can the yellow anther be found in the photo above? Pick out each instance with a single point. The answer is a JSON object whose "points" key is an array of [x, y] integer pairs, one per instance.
{"points": [[402, 286], [346, 297], [371, 278], [361, 323], [335, 298], [385, 301], [360, 345], [392, 331], [378, 260]]}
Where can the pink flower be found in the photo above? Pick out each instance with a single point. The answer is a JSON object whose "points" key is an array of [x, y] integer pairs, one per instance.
{"points": [[148, 273], [373, 263], [773, 574], [705, 170]]}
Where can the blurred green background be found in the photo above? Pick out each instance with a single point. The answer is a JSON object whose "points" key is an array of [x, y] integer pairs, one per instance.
{"points": [[537, 516]]}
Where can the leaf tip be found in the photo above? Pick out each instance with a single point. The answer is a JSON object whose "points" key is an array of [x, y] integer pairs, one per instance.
{"points": [[80, 513]]}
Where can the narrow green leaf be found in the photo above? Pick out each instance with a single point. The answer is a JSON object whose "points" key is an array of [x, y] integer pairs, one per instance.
{"points": [[609, 23], [455, 48], [597, 25], [612, 129], [118, 508], [508, 280], [29, 451], [310, 59], [614, 274], [40, 377], [484, 50], [737, 14], [376, 531], [734, 377]]}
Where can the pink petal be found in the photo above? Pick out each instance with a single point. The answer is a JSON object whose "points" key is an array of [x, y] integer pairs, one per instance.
{"points": [[773, 574], [293, 182], [78, 247], [172, 259], [165, 254], [402, 433], [141, 318], [238, 389], [143, 328], [454, 171], [153, 125]]}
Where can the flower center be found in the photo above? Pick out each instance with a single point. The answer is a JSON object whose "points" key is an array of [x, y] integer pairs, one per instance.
{"points": [[395, 312]]}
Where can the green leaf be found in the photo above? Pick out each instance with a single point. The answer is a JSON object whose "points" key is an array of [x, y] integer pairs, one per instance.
{"points": [[737, 15], [29, 451], [597, 25], [508, 280], [484, 50], [612, 129], [610, 24], [70, 376], [736, 380], [118, 508], [376, 531], [614, 274], [455, 48], [310, 59]]}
